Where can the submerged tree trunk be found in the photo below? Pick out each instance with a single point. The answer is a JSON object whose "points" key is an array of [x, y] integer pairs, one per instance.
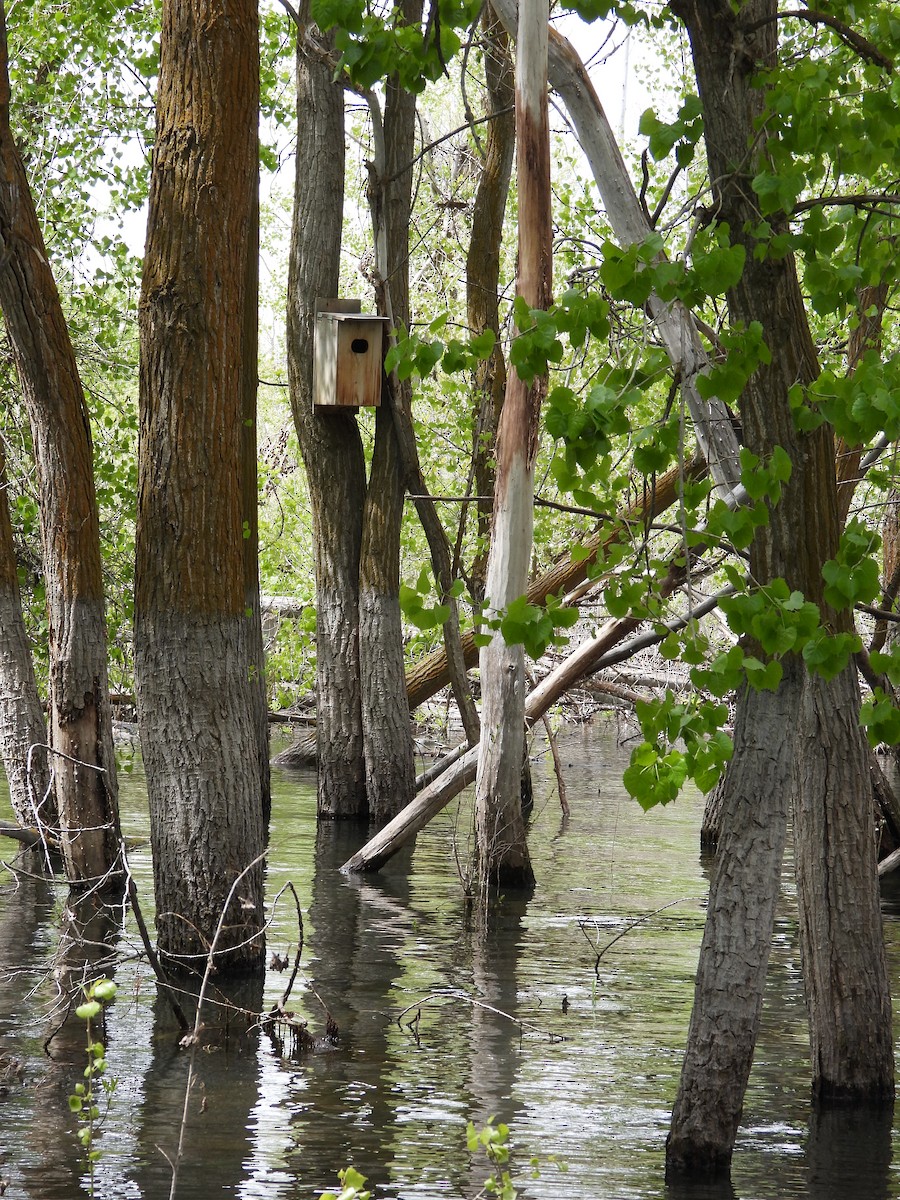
{"points": [[841, 941], [849, 1004], [499, 825], [192, 636], [22, 724], [330, 443], [83, 765]]}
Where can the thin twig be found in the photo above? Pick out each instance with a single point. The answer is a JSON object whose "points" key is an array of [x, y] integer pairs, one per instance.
{"points": [[458, 994], [628, 928], [152, 957]]}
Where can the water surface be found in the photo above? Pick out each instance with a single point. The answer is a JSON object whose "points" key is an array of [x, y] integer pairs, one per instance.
{"points": [[440, 1023]]}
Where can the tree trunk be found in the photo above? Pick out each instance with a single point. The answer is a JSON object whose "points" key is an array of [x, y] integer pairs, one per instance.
{"points": [[499, 826], [483, 276], [22, 724], [330, 443], [738, 934], [387, 730], [250, 505], [841, 942], [867, 335], [802, 533], [192, 637], [84, 765]]}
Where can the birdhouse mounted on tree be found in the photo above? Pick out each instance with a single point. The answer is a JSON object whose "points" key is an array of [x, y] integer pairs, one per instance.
{"points": [[348, 356]]}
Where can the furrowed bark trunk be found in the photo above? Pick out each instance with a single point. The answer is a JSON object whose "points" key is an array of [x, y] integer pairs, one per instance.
{"points": [[83, 765], [22, 724], [501, 847], [737, 937], [330, 443], [846, 981], [483, 275], [844, 968], [387, 730], [192, 637]]}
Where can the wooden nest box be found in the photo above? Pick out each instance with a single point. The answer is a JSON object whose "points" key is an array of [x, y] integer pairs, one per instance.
{"points": [[348, 356]]}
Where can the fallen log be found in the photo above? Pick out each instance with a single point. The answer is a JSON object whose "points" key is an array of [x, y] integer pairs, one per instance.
{"points": [[26, 835], [429, 676]]}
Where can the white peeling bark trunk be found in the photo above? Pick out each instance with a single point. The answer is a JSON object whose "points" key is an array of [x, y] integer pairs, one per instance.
{"points": [[500, 829]]}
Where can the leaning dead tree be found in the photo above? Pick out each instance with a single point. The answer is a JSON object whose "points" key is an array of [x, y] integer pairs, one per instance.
{"points": [[677, 329]]}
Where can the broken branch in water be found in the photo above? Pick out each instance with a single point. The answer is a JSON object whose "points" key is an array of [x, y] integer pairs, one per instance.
{"points": [[458, 994]]}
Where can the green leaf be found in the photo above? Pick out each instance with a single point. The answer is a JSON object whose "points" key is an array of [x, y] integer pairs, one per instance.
{"points": [[880, 718], [828, 655], [482, 346]]}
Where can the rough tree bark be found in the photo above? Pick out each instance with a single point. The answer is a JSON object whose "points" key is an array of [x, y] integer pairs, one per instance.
{"points": [[84, 766], [501, 847], [387, 730], [847, 995], [192, 637], [737, 936], [330, 443], [483, 277], [22, 723], [391, 210]]}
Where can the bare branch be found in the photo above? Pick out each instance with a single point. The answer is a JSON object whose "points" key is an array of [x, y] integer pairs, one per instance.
{"points": [[859, 200], [863, 47]]}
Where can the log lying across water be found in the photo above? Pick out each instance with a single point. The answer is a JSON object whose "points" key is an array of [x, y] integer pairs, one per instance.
{"points": [[429, 676]]}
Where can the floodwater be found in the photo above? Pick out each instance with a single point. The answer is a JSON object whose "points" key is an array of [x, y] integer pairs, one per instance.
{"points": [[440, 1023]]}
